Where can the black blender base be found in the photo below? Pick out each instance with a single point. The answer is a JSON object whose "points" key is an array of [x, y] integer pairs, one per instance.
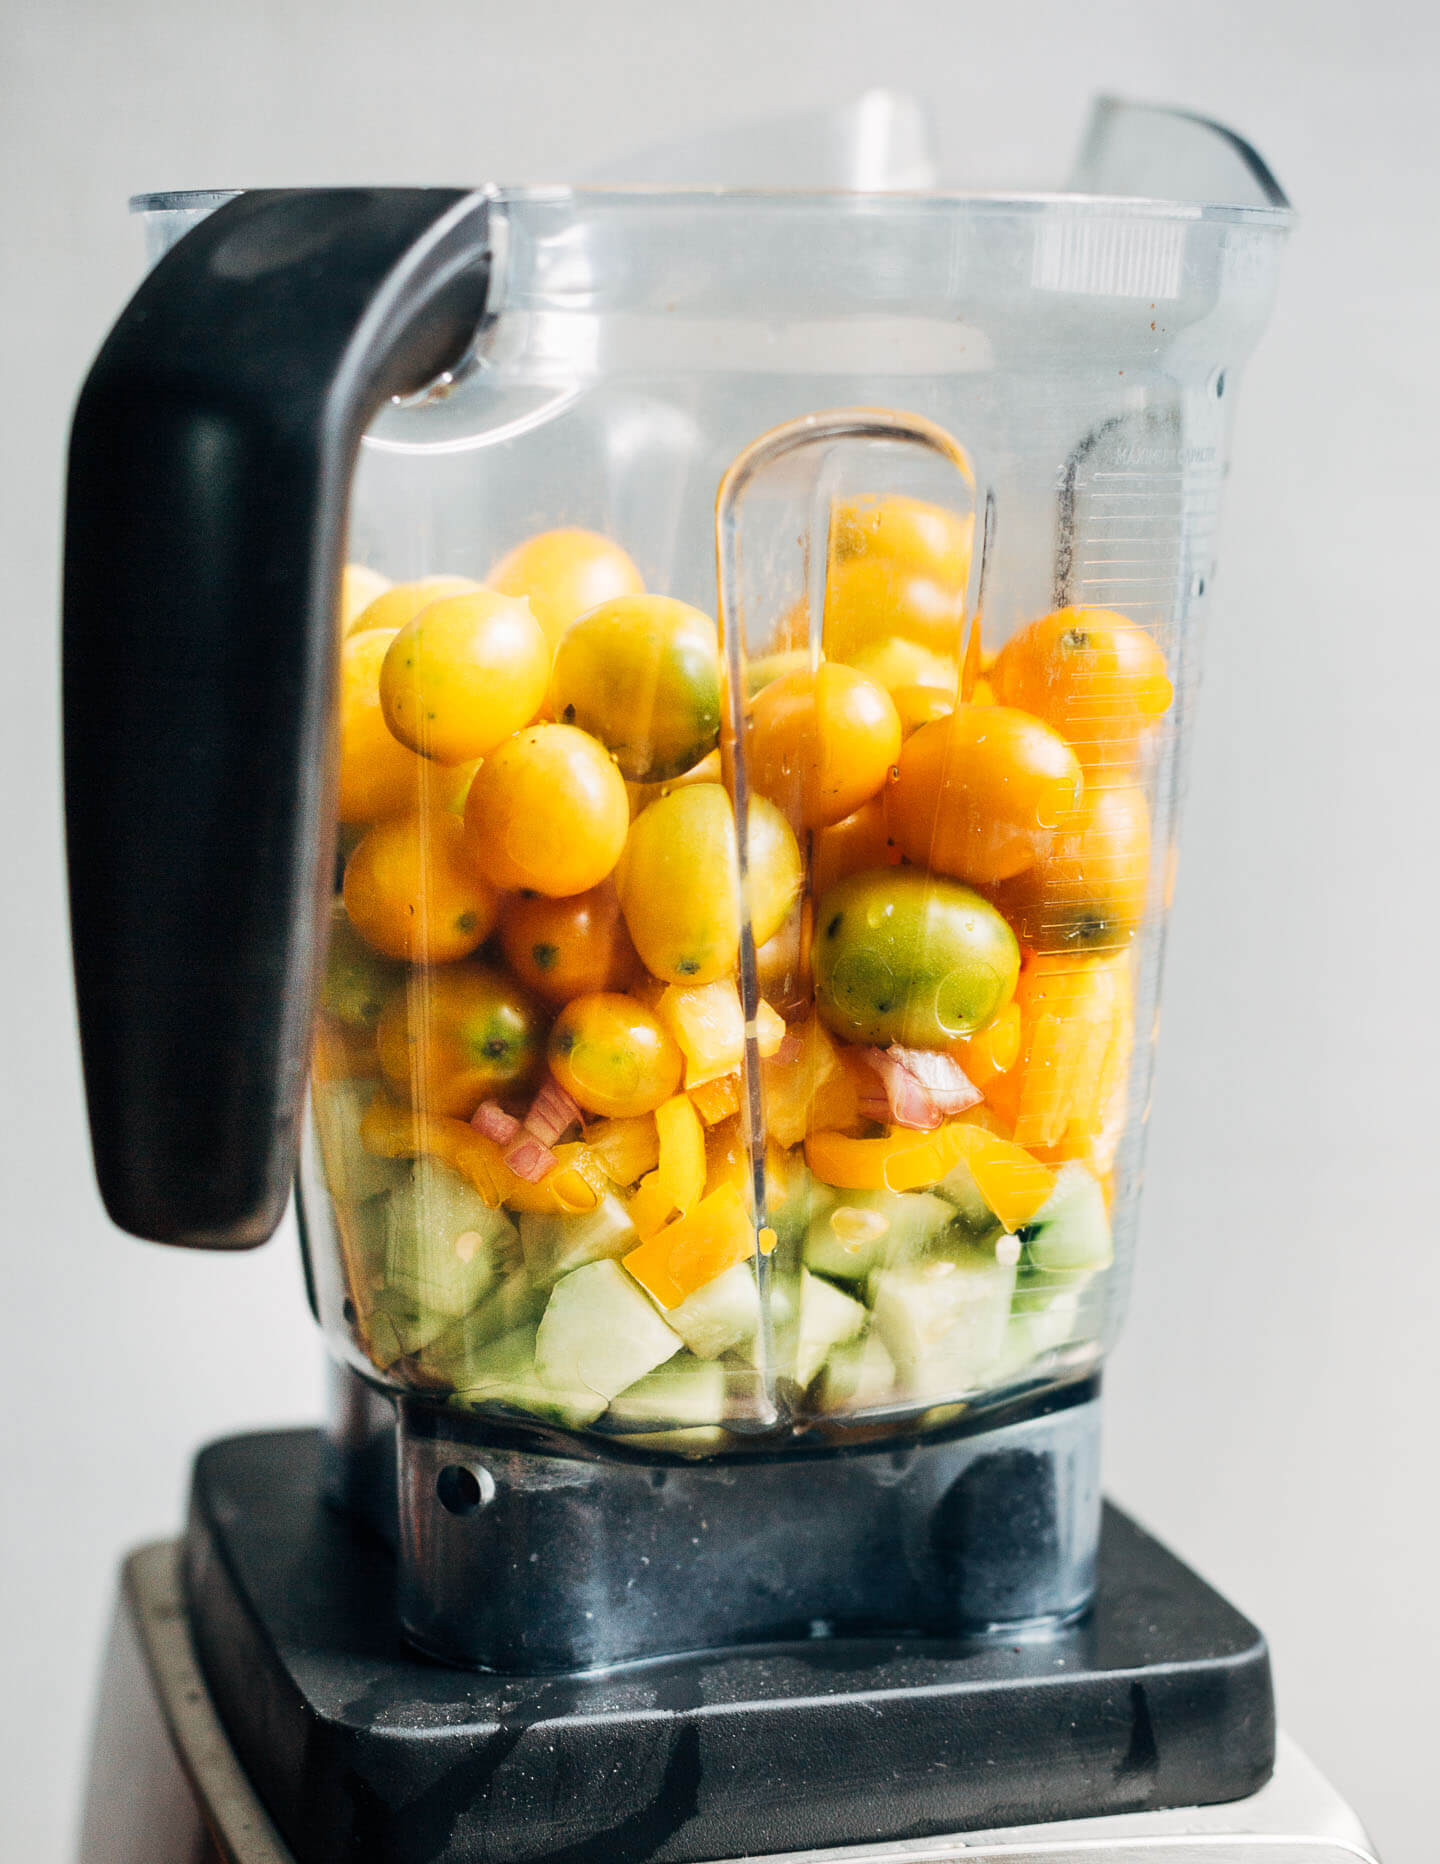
{"points": [[363, 1751]]}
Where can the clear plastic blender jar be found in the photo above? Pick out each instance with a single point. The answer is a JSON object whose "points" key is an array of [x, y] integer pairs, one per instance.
{"points": [[751, 745]]}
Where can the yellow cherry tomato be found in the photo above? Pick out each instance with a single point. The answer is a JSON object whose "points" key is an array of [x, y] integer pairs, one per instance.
{"points": [[1093, 675], [379, 776], [459, 1035], [679, 881], [464, 674], [822, 743], [921, 705], [859, 842], [359, 587], [898, 566], [782, 964], [929, 540], [569, 947], [1087, 891], [547, 812], [895, 663], [392, 606], [980, 794], [613, 1056], [412, 893], [565, 574], [642, 673], [709, 770]]}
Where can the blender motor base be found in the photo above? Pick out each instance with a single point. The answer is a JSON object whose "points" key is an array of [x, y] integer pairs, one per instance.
{"points": [[363, 1751]]}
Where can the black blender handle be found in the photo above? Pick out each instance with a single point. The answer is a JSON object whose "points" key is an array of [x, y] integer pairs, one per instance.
{"points": [[210, 466]]}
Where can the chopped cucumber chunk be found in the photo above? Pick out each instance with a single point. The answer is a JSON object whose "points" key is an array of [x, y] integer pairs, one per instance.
{"points": [[682, 1393], [863, 1230], [1071, 1230], [443, 1242], [513, 1303], [827, 1319], [1030, 1335], [943, 1320], [557, 1245], [858, 1375], [504, 1371], [804, 1199], [351, 1172], [968, 1201], [721, 1317], [600, 1333]]}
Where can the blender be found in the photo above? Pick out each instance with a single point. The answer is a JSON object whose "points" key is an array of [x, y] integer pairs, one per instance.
{"points": [[631, 740]]}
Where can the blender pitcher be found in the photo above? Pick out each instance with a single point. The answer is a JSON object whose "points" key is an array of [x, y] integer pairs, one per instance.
{"points": [[670, 706]]}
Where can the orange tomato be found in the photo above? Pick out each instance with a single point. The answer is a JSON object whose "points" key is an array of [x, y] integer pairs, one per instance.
{"points": [[457, 1036], [565, 574], [568, 947], [1094, 675], [379, 776], [1087, 891], [613, 1056], [860, 841], [411, 892], [548, 812], [822, 743], [921, 705], [898, 566], [392, 606], [979, 795], [464, 674]]}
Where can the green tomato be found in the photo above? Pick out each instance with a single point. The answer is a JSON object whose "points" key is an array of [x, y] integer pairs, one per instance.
{"points": [[903, 956]]}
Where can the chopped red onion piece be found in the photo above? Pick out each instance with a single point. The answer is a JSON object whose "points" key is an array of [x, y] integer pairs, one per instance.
{"points": [[530, 1160], [552, 1113], [494, 1122], [922, 1087]]}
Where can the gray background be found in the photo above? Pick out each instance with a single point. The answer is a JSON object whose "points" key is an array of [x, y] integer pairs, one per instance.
{"points": [[1273, 1407]]}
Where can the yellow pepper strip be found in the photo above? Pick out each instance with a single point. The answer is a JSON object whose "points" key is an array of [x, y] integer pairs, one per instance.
{"points": [[690, 1252], [994, 1050], [708, 1024], [681, 1174], [398, 1132], [1069, 1008], [627, 1148], [651, 1207], [716, 1100], [1013, 1182]]}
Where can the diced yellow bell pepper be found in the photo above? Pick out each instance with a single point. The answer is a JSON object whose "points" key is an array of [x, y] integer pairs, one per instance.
{"points": [[399, 1132], [794, 1088], [650, 1205], [1011, 1180], [627, 1148], [690, 1252], [708, 1023], [681, 1173], [716, 1100]]}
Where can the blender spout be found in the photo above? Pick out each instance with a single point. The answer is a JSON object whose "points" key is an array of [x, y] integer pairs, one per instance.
{"points": [[1157, 152]]}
